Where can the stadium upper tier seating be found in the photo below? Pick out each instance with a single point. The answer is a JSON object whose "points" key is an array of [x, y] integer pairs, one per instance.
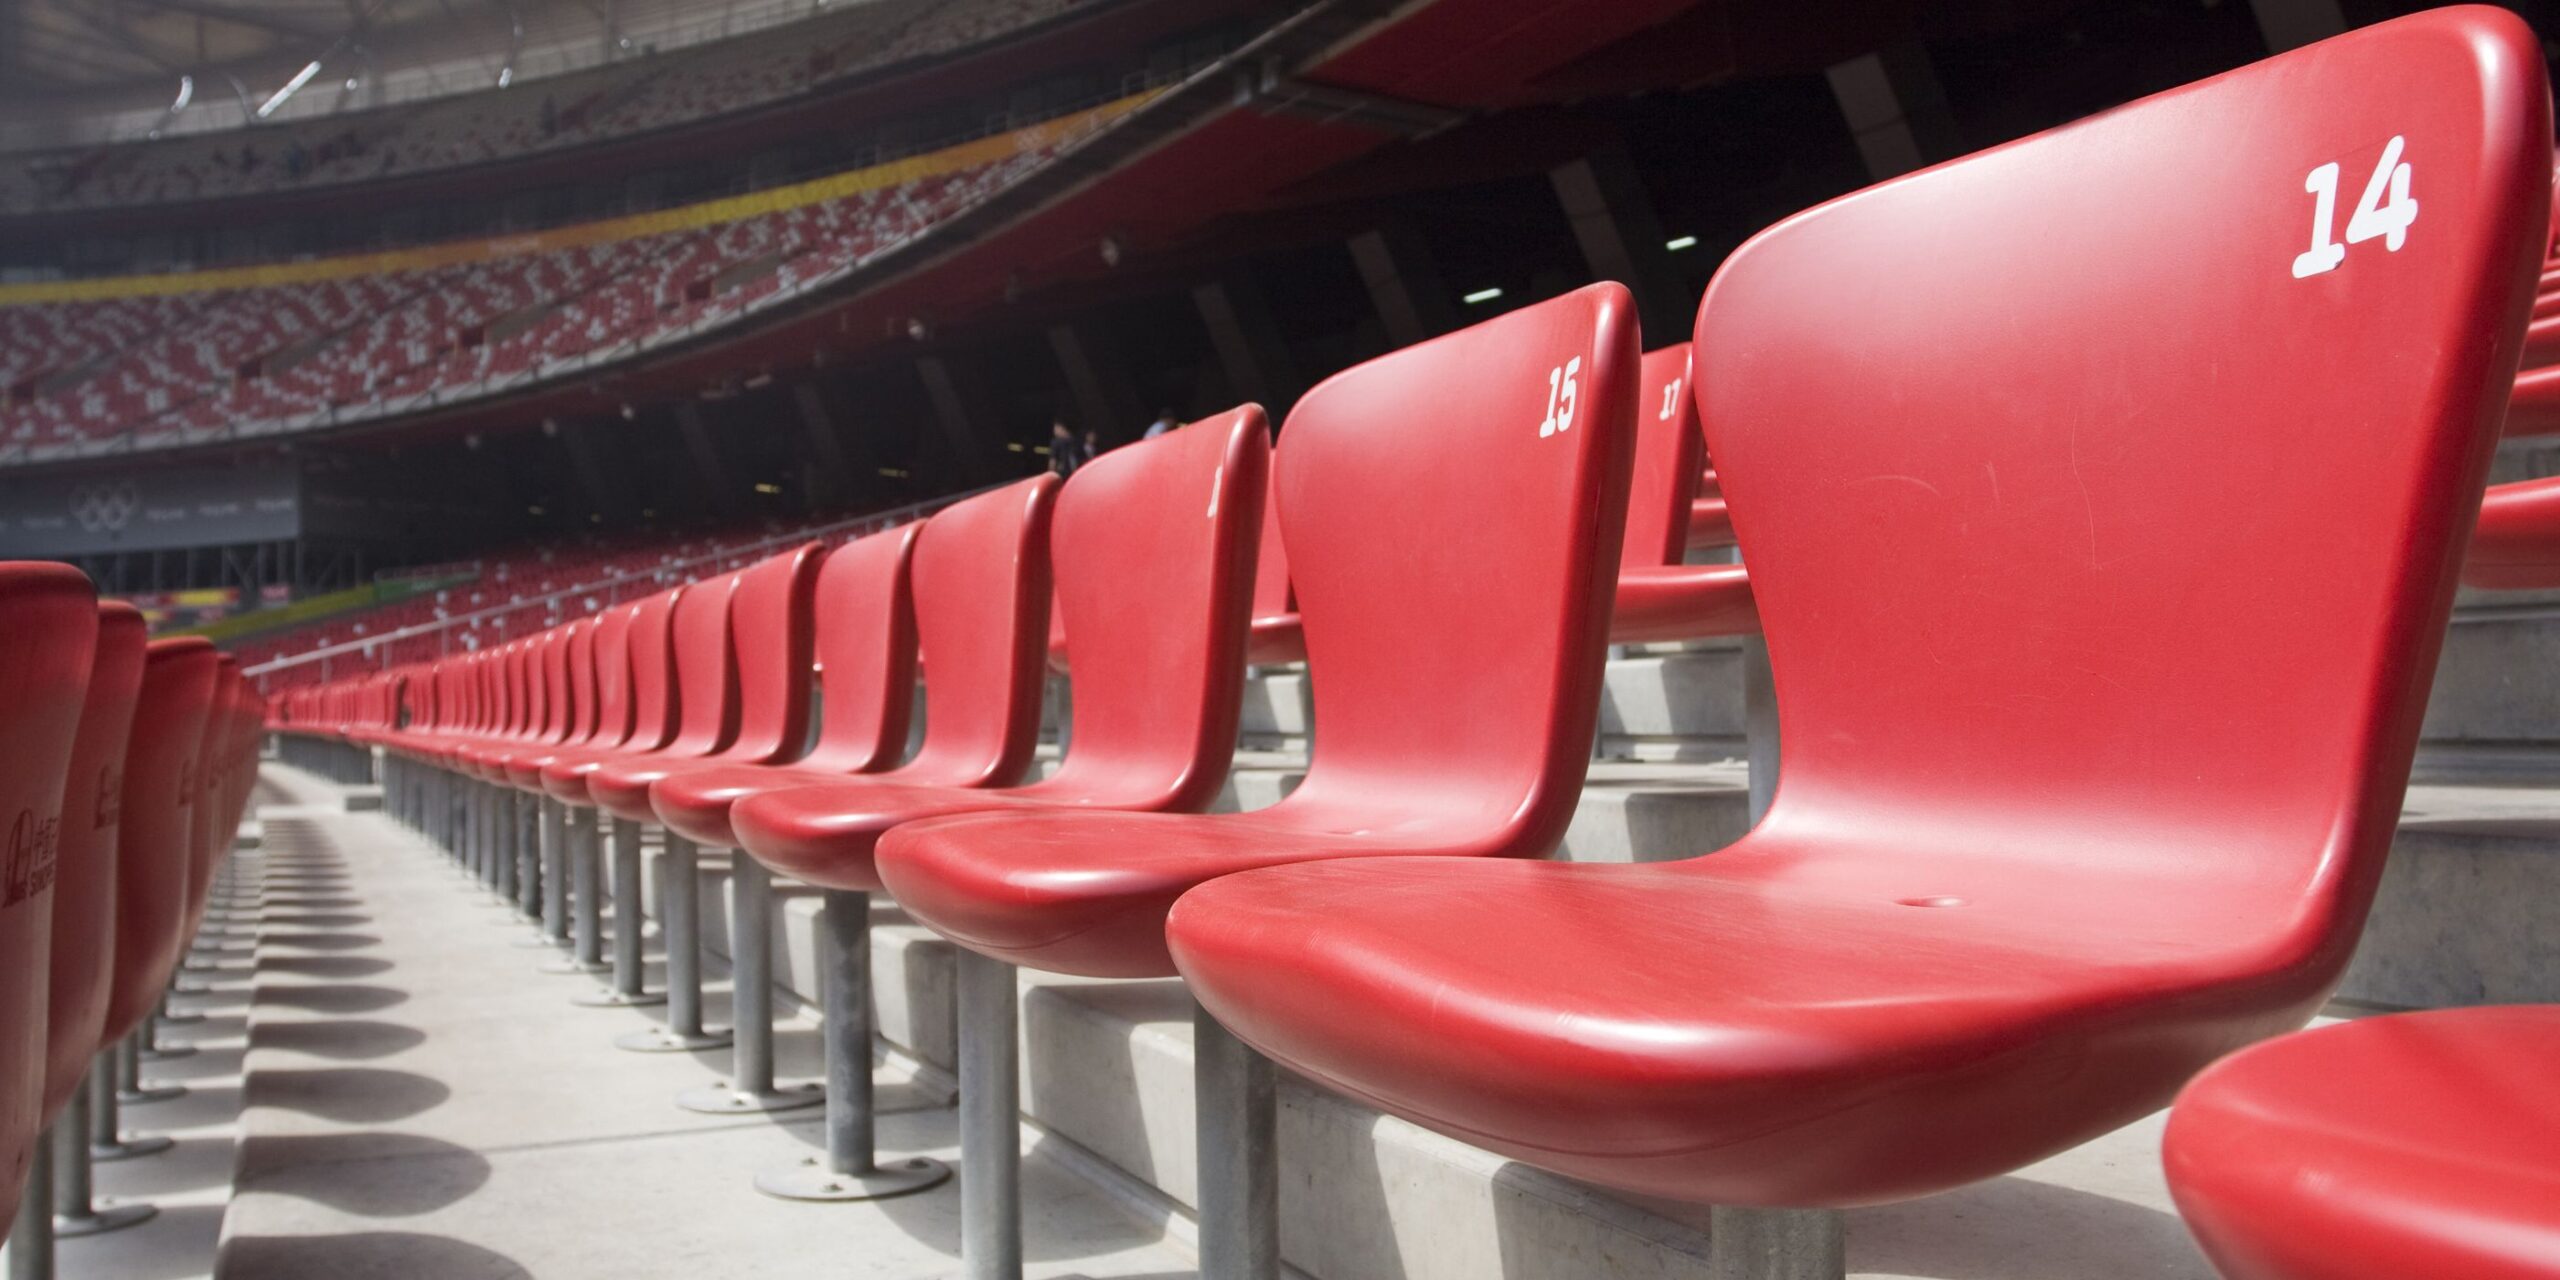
{"points": [[528, 118], [177, 365]]}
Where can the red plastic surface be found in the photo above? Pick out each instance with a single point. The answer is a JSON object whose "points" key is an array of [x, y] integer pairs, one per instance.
{"points": [[866, 643], [210, 827], [155, 837], [1456, 681], [654, 701], [772, 631], [2533, 408], [2516, 545], [48, 642], [1154, 561], [1658, 597], [84, 886], [705, 705], [2416, 1145], [2037, 854]]}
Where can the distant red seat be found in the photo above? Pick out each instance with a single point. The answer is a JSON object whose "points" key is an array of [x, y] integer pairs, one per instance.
{"points": [[771, 641], [866, 653], [84, 891], [2422, 1144], [2036, 855], [156, 834], [48, 645], [1658, 597]]}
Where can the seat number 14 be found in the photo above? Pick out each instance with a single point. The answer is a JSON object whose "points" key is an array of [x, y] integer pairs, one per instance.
{"points": [[2385, 211]]}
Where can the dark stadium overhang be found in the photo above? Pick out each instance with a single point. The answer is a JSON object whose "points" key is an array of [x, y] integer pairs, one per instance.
{"points": [[1201, 152]]}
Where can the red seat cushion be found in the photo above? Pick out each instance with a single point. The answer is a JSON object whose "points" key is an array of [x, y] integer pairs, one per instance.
{"points": [[2425, 1144]]}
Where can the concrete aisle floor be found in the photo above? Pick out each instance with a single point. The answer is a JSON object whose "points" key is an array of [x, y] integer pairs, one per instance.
{"points": [[425, 1104]]}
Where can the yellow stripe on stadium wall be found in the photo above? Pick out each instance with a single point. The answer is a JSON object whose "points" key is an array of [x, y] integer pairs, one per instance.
{"points": [[836, 186]]}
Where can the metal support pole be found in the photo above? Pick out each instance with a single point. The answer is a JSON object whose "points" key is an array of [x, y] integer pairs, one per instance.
{"points": [[1775, 1244], [507, 871], [556, 819], [526, 817], [680, 912], [1235, 1091], [582, 831], [990, 1131], [130, 1089], [849, 1170], [106, 1136], [629, 987], [1759, 725], [75, 1210], [750, 1086], [29, 1250]]}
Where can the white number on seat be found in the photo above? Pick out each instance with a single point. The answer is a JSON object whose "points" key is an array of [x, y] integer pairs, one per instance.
{"points": [[1561, 395], [2385, 211], [1671, 397]]}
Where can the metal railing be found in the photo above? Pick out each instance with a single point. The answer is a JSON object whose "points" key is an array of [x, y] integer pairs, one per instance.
{"points": [[461, 631]]}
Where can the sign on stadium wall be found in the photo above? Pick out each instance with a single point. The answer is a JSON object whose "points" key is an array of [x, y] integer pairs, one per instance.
{"points": [[149, 511]]}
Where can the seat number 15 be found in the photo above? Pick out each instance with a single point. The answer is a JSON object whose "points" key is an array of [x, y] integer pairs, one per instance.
{"points": [[2386, 211], [1561, 395]]}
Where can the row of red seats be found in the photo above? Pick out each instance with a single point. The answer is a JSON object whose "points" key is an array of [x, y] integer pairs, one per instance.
{"points": [[131, 762], [2102, 569]]}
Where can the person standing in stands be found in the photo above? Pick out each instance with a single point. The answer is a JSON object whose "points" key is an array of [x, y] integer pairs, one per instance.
{"points": [[1092, 447], [1165, 421], [1064, 450]]}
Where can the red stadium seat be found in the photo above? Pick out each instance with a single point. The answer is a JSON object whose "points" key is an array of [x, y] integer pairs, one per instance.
{"points": [[1658, 597], [48, 644], [1155, 551], [866, 651], [1456, 681], [2036, 856], [84, 906], [2414, 1145], [768, 651]]}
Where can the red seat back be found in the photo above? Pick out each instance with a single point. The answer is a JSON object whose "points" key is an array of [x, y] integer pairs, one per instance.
{"points": [[155, 837], [1456, 659], [2157, 512], [866, 646], [1152, 552], [981, 586], [772, 620], [48, 643], [653, 672], [1669, 452], [706, 702], [84, 887], [609, 677], [210, 838]]}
